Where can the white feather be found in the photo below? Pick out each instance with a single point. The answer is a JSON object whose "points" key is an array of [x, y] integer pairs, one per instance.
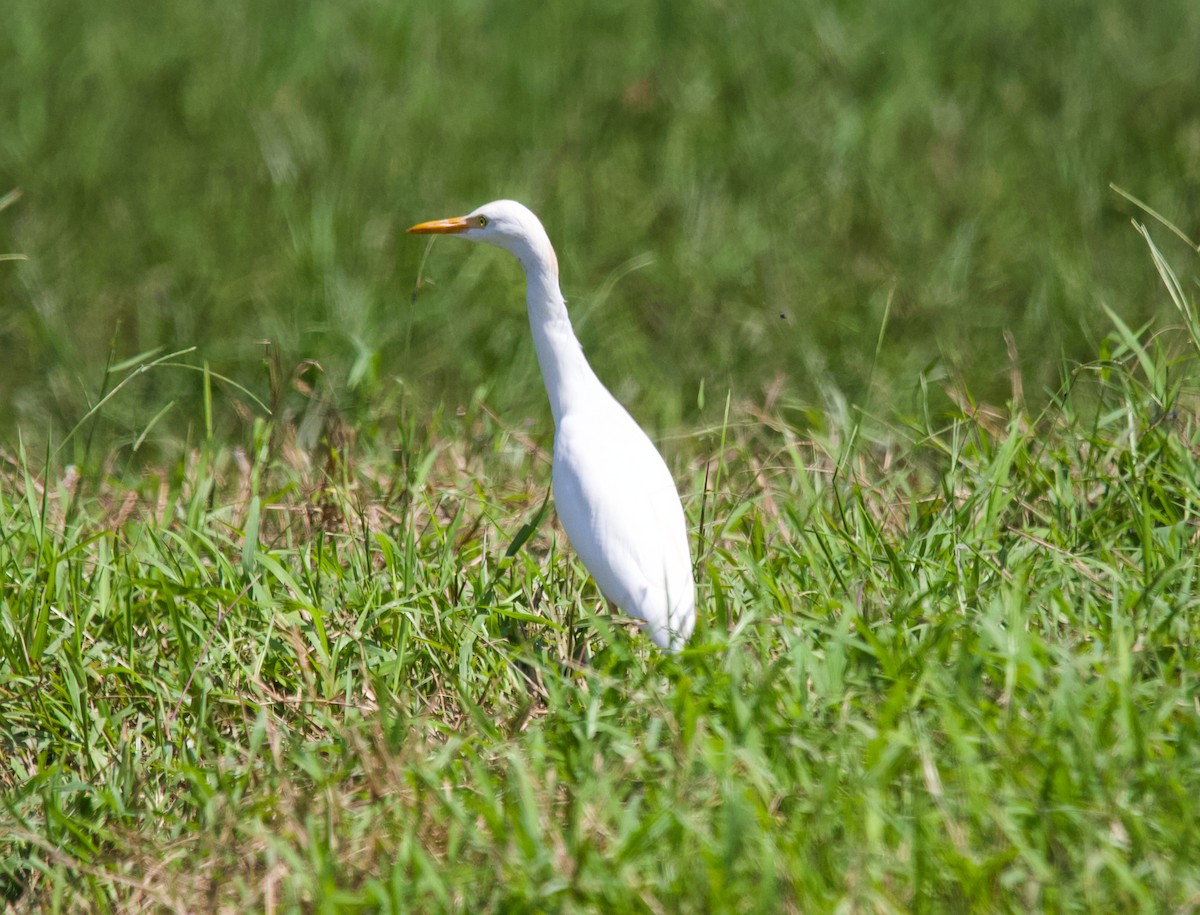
{"points": [[614, 495]]}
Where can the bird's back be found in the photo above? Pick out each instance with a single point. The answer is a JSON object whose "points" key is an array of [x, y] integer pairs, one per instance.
{"points": [[619, 506]]}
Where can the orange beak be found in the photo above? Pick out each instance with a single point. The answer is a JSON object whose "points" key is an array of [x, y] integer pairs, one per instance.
{"points": [[441, 227]]}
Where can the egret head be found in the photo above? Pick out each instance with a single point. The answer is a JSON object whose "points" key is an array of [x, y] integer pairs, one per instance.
{"points": [[503, 223]]}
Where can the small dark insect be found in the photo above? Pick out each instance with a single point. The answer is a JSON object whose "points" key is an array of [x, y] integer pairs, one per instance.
{"points": [[1164, 416]]}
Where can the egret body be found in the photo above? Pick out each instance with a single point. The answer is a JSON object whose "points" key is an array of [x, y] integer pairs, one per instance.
{"points": [[613, 492]]}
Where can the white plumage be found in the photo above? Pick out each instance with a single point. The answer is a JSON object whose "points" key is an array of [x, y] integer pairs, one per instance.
{"points": [[614, 495]]}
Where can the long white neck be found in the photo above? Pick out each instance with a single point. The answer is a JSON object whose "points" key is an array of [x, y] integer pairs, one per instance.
{"points": [[569, 379]]}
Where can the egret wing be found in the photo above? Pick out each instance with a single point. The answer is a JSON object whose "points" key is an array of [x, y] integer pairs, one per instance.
{"points": [[619, 506]]}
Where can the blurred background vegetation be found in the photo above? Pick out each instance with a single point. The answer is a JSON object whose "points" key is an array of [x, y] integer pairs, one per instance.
{"points": [[739, 193]]}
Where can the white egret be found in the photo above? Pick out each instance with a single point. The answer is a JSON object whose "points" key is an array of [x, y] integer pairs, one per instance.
{"points": [[614, 495]]}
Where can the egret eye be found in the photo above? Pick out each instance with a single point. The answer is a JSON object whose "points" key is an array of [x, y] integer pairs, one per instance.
{"points": [[482, 220]]}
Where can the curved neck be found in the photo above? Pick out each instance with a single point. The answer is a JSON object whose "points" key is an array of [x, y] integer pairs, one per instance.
{"points": [[568, 378]]}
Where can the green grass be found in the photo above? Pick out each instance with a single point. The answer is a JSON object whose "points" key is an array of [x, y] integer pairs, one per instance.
{"points": [[215, 175], [943, 664], [285, 621]]}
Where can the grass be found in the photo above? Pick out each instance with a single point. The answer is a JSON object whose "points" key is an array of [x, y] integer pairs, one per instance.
{"points": [[216, 176], [286, 622], [943, 664]]}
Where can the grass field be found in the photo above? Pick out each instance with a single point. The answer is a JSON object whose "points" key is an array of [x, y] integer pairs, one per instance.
{"points": [[286, 623]]}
